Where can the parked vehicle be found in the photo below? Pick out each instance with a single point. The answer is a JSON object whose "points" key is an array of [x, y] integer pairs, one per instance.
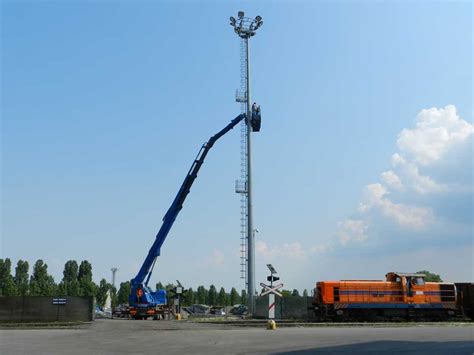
{"points": [[217, 311], [239, 310], [121, 311], [197, 309], [99, 313]]}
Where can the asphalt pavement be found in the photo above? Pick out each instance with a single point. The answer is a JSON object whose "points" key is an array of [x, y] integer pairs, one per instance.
{"points": [[117, 336]]}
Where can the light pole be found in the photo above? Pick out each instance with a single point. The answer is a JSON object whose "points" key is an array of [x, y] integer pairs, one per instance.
{"points": [[114, 270], [246, 27]]}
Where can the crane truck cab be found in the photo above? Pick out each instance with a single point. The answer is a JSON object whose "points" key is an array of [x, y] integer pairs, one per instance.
{"points": [[145, 303]]}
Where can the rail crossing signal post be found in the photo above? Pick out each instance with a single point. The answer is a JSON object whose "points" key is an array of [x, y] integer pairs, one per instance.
{"points": [[271, 291], [178, 291]]}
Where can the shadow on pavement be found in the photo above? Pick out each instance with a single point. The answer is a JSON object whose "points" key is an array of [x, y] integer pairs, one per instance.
{"points": [[394, 347]]}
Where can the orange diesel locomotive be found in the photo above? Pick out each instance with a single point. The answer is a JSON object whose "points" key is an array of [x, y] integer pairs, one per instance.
{"points": [[402, 295]]}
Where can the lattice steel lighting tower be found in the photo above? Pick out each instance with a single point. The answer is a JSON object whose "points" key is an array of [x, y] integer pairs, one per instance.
{"points": [[246, 27]]}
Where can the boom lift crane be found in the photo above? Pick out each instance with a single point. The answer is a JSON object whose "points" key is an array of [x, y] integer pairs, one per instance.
{"points": [[142, 300]]}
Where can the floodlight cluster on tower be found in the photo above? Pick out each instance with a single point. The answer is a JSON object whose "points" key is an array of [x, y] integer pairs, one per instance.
{"points": [[245, 27]]}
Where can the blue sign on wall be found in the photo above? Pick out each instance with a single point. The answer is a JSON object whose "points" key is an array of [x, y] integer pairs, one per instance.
{"points": [[59, 301]]}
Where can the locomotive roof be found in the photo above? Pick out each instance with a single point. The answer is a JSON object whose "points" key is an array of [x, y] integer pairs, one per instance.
{"points": [[406, 274]]}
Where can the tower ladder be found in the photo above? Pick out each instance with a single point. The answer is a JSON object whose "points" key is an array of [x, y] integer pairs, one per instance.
{"points": [[241, 185]]}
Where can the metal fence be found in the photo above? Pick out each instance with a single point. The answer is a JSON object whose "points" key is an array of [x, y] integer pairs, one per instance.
{"points": [[295, 307], [46, 309]]}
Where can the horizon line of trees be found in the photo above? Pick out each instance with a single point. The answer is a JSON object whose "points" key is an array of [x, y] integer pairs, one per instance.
{"points": [[77, 281]]}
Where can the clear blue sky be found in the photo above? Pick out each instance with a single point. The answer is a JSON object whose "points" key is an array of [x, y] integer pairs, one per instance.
{"points": [[105, 104]]}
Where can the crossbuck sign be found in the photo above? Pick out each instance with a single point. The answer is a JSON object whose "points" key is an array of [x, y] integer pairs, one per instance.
{"points": [[271, 291], [267, 289]]}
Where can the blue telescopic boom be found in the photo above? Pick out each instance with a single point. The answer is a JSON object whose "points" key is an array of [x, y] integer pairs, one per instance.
{"points": [[145, 271]]}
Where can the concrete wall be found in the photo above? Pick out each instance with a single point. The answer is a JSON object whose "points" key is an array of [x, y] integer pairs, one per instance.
{"points": [[286, 307], [41, 309]]}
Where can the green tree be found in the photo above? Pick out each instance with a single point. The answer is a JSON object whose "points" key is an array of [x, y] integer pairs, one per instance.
{"points": [[169, 293], [243, 297], [85, 271], [7, 284], [69, 286], [102, 291], [430, 277], [234, 297], [189, 297], [113, 293], [305, 293], [86, 286], [41, 283], [21, 277], [295, 293], [201, 295], [286, 293], [222, 297], [212, 296], [123, 292]]}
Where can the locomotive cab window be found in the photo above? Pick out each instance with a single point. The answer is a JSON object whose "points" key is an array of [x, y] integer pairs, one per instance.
{"points": [[419, 281]]}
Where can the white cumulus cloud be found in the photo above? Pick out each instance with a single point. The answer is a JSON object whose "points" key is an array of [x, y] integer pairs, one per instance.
{"points": [[414, 180], [415, 193], [352, 230], [405, 215], [288, 250], [409, 191], [292, 250], [436, 131], [392, 180]]}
